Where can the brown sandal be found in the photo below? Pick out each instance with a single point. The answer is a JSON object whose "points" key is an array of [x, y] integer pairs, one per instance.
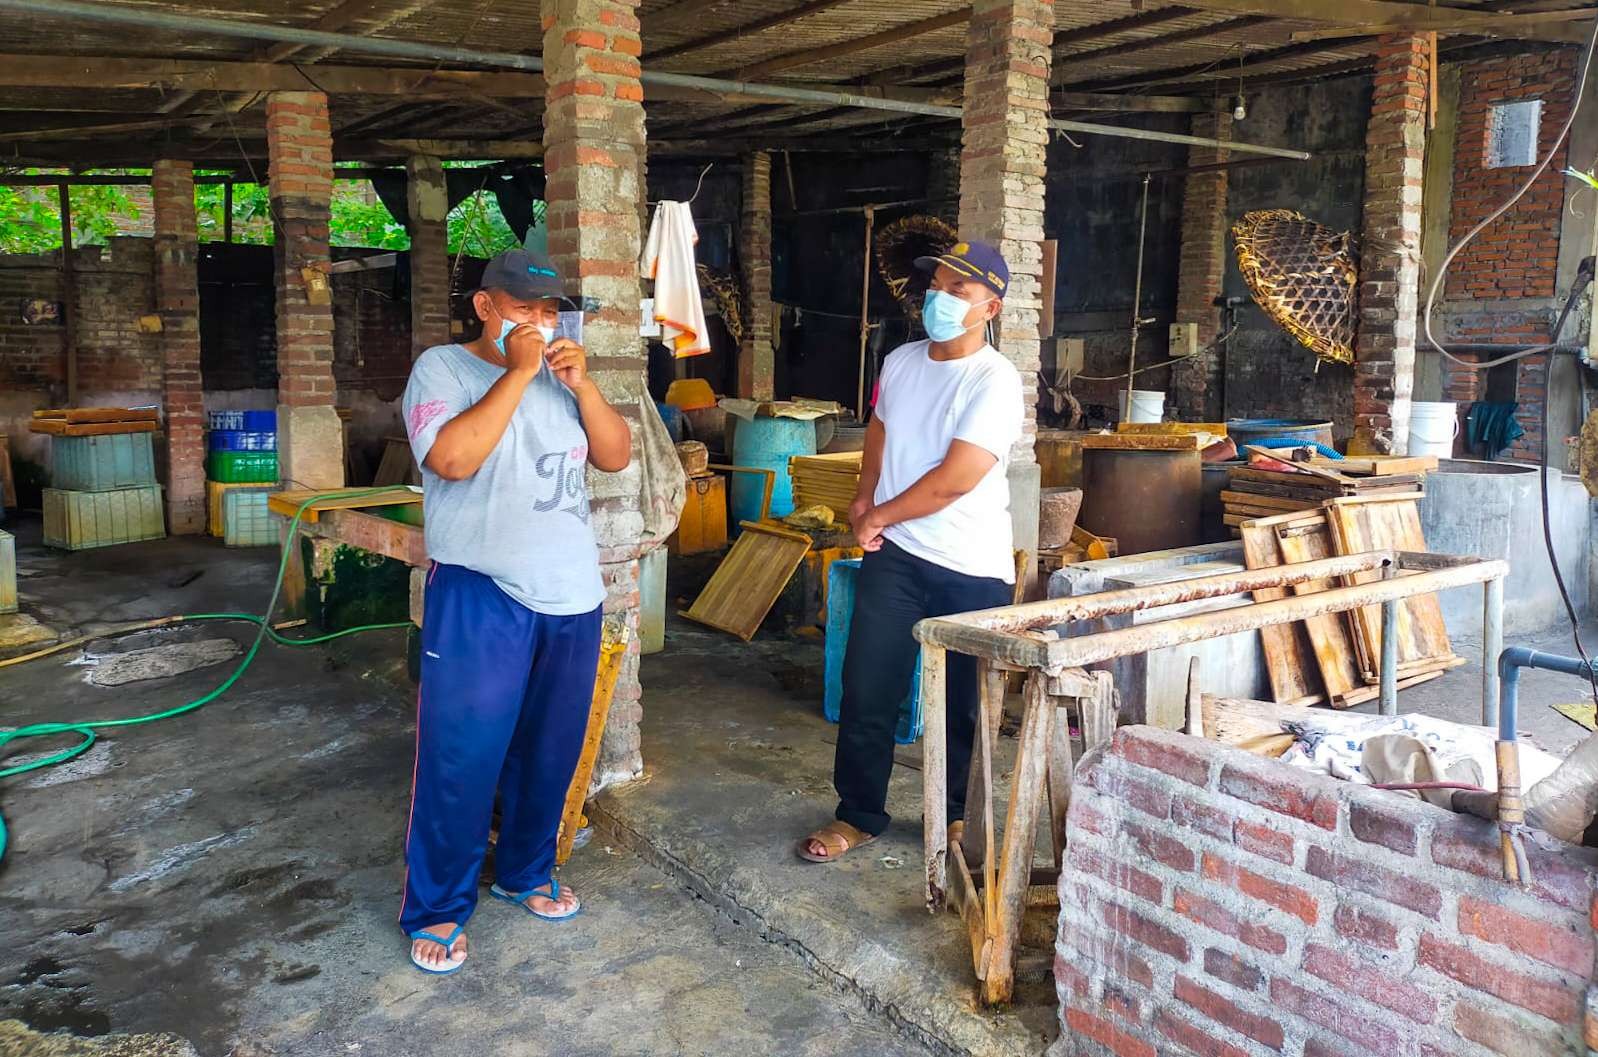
{"points": [[838, 837]]}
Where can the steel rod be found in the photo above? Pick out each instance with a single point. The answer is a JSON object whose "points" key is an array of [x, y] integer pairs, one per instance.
{"points": [[1389, 661], [433, 53]]}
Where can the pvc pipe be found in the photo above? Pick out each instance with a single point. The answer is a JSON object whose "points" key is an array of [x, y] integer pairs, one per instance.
{"points": [[1510, 662], [78, 10], [1492, 644]]}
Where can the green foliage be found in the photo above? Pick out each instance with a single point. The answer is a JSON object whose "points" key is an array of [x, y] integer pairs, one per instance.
{"points": [[479, 226], [30, 217], [252, 216]]}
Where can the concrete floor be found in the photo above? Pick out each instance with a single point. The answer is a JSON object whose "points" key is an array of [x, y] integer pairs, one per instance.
{"points": [[231, 877]]}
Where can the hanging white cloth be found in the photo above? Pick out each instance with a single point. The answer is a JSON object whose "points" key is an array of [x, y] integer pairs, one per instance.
{"points": [[669, 261]]}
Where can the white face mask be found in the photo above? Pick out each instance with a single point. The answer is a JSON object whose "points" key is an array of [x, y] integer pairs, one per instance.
{"points": [[547, 332], [506, 326]]}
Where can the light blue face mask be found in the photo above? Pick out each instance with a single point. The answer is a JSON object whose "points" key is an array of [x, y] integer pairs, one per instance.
{"points": [[943, 315], [506, 326]]}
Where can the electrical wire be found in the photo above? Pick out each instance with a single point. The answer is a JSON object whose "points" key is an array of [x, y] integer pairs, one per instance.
{"points": [[1470, 236], [86, 730]]}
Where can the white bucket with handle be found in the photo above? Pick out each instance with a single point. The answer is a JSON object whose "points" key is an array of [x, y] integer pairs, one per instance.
{"points": [[1148, 405], [1432, 428]]}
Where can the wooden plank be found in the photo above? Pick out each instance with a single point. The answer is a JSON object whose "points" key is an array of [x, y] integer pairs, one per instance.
{"points": [[934, 773], [795, 59], [100, 414], [1269, 502], [1298, 467], [1360, 524], [287, 503], [1288, 657], [1062, 771], [1142, 442], [1378, 465], [59, 427], [979, 785], [612, 650], [1214, 429], [8, 482], [1330, 637], [746, 584], [1378, 16], [398, 465]]}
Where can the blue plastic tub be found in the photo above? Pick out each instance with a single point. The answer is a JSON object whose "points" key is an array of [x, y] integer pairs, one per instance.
{"points": [[101, 464], [253, 421], [840, 610], [242, 440], [767, 443]]}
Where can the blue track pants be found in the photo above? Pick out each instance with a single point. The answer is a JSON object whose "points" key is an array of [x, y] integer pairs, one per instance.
{"points": [[503, 704]]}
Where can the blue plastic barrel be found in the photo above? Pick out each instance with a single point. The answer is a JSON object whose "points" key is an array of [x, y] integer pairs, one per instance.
{"points": [[841, 579], [1250, 430], [768, 443], [672, 417]]}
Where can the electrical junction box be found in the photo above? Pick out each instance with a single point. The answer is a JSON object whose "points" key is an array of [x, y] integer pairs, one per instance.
{"points": [[1184, 340]]}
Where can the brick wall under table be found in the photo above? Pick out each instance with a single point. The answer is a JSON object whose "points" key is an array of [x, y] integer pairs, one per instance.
{"points": [[1221, 904]]}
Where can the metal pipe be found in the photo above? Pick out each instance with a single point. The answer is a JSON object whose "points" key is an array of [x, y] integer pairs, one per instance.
{"points": [[1389, 661], [1510, 662], [78, 10], [1137, 304], [1492, 644]]}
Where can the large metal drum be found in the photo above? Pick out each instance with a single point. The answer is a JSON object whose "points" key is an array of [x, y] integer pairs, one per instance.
{"points": [[1146, 500]]}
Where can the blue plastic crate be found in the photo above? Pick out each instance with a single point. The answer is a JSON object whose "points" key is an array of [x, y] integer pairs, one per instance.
{"points": [[254, 421], [840, 610], [242, 440], [102, 464]]}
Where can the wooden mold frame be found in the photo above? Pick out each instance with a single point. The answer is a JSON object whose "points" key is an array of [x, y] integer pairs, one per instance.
{"points": [[1026, 638]]}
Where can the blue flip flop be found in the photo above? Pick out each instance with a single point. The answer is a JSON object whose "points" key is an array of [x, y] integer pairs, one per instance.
{"points": [[446, 942], [520, 899]]}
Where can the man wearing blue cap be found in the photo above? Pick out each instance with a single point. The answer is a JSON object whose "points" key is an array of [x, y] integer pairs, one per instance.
{"points": [[933, 515], [504, 428]]}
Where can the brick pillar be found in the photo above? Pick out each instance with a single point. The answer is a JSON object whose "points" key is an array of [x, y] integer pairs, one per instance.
{"points": [[299, 145], [427, 203], [1002, 164], [1201, 270], [593, 160], [755, 367], [1389, 273], [177, 295]]}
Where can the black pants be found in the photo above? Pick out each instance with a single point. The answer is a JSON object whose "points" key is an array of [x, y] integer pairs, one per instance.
{"points": [[895, 590]]}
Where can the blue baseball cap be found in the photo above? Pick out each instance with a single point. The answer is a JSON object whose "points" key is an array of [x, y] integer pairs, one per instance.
{"points": [[525, 276], [974, 260]]}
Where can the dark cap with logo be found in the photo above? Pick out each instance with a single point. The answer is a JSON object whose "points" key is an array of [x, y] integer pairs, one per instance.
{"points": [[523, 275], [974, 260]]}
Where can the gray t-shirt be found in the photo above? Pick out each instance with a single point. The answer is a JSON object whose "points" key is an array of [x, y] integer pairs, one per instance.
{"points": [[522, 518]]}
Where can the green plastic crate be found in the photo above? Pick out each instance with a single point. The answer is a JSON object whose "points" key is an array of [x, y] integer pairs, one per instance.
{"points": [[76, 521], [100, 464], [242, 467], [246, 522]]}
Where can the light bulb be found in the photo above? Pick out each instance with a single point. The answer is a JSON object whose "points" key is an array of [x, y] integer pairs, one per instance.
{"points": [[1240, 111]]}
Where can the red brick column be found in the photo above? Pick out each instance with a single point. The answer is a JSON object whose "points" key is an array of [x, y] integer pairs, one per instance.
{"points": [[1395, 147], [299, 146], [177, 299], [1002, 164], [427, 203], [756, 371], [594, 162], [1197, 382]]}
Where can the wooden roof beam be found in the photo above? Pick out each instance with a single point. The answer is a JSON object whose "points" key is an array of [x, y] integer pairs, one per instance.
{"points": [[1132, 47], [1516, 26], [795, 59], [1384, 16], [781, 18]]}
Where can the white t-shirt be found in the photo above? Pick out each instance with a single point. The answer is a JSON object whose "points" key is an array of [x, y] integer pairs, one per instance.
{"points": [[925, 404]]}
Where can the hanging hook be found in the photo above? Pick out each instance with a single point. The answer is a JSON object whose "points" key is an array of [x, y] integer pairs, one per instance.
{"points": [[701, 183]]}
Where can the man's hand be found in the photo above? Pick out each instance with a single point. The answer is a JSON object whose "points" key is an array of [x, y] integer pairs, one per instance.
{"points": [[868, 530], [524, 350], [859, 509], [569, 361]]}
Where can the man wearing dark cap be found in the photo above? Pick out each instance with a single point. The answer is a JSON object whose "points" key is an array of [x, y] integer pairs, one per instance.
{"points": [[933, 515], [504, 428]]}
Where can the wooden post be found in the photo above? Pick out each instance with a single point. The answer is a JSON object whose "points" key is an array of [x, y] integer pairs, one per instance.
{"points": [[865, 321], [1020, 828], [69, 299], [227, 212], [934, 777], [979, 787], [1061, 771]]}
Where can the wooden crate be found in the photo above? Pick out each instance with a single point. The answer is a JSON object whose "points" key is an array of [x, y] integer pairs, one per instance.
{"points": [[77, 521], [703, 525]]}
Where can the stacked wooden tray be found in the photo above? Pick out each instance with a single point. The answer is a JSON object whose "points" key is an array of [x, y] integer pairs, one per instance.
{"points": [[93, 421], [1254, 492], [826, 480]]}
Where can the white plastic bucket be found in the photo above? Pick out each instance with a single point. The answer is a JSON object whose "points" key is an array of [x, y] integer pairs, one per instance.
{"points": [[1148, 405], [1432, 428]]}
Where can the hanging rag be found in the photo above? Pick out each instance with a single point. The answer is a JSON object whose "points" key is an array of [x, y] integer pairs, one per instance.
{"points": [[669, 261], [1490, 428]]}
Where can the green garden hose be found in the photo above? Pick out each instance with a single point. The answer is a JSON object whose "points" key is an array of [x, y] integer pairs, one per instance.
{"points": [[85, 731]]}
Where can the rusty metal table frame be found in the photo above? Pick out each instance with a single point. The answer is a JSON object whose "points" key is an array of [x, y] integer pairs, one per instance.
{"points": [[1025, 638]]}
